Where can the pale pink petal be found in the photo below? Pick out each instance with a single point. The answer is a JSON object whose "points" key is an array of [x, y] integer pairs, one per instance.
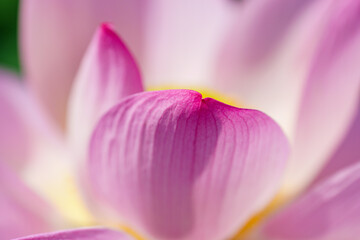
{"points": [[54, 37], [266, 55], [176, 166], [81, 234], [264, 24], [14, 138], [22, 122], [108, 73], [22, 212], [300, 68], [176, 42], [183, 39], [330, 211], [347, 153], [330, 99], [29, 142]]}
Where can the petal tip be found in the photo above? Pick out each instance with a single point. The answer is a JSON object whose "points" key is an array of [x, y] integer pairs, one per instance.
{"points": [[107, 37]]}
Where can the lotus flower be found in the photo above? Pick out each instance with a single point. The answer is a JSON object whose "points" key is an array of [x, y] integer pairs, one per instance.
{"points": [[175, 163]]}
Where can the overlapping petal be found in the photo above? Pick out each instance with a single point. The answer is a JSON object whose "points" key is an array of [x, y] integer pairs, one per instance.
{"points": [[330, 99], [30, 143], [266, 54], [347, 153], [108, 74], [24, 126], [183, 39], [329, 211], [174, 165], [22, 211], [80, 234], [172, 43], [55, 34], [300, 68], [14, 137]]}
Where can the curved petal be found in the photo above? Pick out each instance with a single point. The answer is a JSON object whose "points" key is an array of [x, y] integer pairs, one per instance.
{"points": [[54, 37], [300, 68], [32, 145], [22, 124], [174, 165], [329, 211], [80, 234], [108, 73], [330, 99], [182, 40], [266, 54], [347, 153], [14, 138], [22, 212], [175, 42]]}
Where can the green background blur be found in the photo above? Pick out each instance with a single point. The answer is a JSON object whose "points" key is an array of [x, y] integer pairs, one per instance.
{"points": [[9, 57]]}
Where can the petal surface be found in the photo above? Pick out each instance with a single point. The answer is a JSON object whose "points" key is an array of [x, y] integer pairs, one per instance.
{"points": [[22, 212], [296, 61], [80, 234], [23, 124], [174, 165], [176, 43], [346, 154], [14, 138], [330, 100], [31, 144], [266, 54], [329, 211], [108, 73], [55, 35], [182, 39]]}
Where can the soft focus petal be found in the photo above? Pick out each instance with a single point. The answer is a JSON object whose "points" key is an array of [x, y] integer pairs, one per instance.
{"points": [[31, 144], [266, 54], [330, 100], [108, 74], [174, 165], [182, 40], [176, 42], [347, 153], [54, 37], [22, 212], [14, 137], [300, 68], [80, 234], [24, 126], [330, 211]]}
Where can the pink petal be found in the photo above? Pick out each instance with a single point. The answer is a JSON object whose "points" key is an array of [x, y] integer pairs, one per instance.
{"points": [[22, 123], [174, 165], [29, 142], [265, 57], [291, 59], [330, 100], [347, 153], [176, 43], [108, 74], [264, 24], [54, 37], [183, 39], [22, 212], [80, 234], [14, 139], [330, 211]]}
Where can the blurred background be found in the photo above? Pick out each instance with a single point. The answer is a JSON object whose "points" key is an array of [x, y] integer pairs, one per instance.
{"points": [[9, 54]]}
